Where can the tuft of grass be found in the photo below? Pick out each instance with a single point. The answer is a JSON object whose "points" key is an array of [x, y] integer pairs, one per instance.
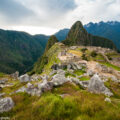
{"points": [[85, 78], [67, 88], [2, 74], [79, 72], [68, 74]]}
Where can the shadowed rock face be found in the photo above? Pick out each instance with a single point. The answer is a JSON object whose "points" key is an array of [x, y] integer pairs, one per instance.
{"points": [[6, 104], [96, 85]]}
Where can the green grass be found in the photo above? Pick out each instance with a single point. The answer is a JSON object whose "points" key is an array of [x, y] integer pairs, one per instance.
{"points": [[85, 78], [79, 72], [68, 74], [2, 74], [79, 105], [111, 65]]}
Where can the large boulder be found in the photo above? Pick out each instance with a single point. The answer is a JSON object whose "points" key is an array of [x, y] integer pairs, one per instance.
{"points": [[96, 85], [45, 86], [15, 75], [6, 104], [59, 78], [25, 78]]}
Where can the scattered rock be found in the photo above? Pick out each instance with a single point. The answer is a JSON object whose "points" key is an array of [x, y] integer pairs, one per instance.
{"points": [[57, 67], [90, 73], [1, 95], [96, 85], [45, 86], [83, 84], [45, 77], [104, 68], [3, 81], [53, 72], [6, 104], [25, 78], [108, 100], [114, 79], [22, 89], [29, 85], [15, 75], [59, 78]]}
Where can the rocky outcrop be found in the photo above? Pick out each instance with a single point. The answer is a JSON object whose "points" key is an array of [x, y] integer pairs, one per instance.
{"points": [[1, 95], [25, 78], [15, 75], [59, 78], [3, 81], [74, 66], [96, 85], [6, 104], [22, 89], [103, 68], [83, 84]]}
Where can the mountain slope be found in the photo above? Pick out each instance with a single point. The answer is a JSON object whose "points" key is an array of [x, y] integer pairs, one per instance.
{"points": [[79, 36], [110, 30], [43, 60], [42, 39], [18, 51]]}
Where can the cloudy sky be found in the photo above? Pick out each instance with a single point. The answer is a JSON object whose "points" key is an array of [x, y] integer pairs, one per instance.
{"points": [[49, 16]]}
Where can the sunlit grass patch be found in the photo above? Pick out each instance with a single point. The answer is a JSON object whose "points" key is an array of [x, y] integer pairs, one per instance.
{"points": [[68, 74], [84, 78], [75, 52], [79, 72]]}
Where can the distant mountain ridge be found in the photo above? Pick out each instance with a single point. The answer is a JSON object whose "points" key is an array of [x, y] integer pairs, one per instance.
{"points": [[79, 36], [110, 30]]}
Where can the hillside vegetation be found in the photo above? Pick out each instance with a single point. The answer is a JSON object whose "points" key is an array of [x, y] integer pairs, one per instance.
{"points": [[19, 51], [79, 36]]}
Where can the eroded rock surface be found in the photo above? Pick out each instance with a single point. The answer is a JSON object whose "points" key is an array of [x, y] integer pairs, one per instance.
{"points": [[96, 85], [6, 104], [25, 78]]}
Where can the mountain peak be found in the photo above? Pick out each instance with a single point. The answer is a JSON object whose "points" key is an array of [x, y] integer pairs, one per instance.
{"points": [[77, 25], [52, 40], [79, 36]]}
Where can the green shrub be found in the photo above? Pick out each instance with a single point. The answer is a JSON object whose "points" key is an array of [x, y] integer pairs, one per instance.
{"points": [[93, 54], [84, 57], [84, 50]]}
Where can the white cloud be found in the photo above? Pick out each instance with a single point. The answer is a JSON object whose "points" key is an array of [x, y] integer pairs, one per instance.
{"points": [[48, 16]]}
